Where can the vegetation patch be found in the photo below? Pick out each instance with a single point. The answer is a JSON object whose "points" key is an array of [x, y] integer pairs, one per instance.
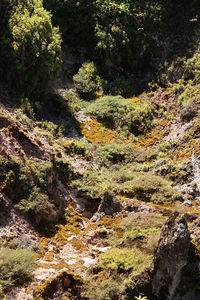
{"points": [[137, 231], [115, 153], [124, 260], [118, 113], [127, 180], [37, 203], [73, 147], [16, 267]]}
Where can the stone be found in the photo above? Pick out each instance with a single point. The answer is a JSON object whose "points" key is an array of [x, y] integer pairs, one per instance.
{"points": [[187, 203], [170, 257], [108, 206]]}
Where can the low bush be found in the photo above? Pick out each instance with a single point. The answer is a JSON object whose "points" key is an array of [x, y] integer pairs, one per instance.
{"points": [[137, 221], [192, 68], [135, 234], [12, 176], [104, 290], [28, 108], [16, 267], [37, 203], [120, 113], [61, 164], [119, 153], [39, 172], [75, 147], [91, 185], [126, 180], [7, 164], [189, 102], [126, 236], [153, 188], [137, 231], [124, 260]]}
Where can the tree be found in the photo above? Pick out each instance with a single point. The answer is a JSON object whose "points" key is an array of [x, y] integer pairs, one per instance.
{"points": [[33, 46], [87, 81]]}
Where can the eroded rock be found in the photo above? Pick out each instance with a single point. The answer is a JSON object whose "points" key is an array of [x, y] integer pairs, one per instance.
{"points": [[170, 257], [161, 279]]}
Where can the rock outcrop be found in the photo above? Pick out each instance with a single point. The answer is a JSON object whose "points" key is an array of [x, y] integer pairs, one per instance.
{"points": [[162, 278], [109, 205], [170, 257]]}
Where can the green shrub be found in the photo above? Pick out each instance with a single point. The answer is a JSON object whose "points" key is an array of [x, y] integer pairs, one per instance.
{"points": [[61, 164], [127, 180], [7, 164], [16, 267], [109, 109], [124, 260], [135, 234], [117, 112], [11, 176], [40, 172], [190, 94], [137, 231], [119, 153], [87, 81], [27, 108], [75, 147], [37, 203], [14, 178], [105, 290], [92, 184], [126, 235], [149, 187], [192, 69]]}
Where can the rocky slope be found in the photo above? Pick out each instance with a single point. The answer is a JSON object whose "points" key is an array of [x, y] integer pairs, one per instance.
{"points": [[87, 241]]}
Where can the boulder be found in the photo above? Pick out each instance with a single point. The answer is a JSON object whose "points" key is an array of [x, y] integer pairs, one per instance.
{"points": [[171, 255]]}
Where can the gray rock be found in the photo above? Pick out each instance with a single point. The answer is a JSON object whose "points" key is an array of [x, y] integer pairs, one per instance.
{"points": [[170, 257], [187, 203]]}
